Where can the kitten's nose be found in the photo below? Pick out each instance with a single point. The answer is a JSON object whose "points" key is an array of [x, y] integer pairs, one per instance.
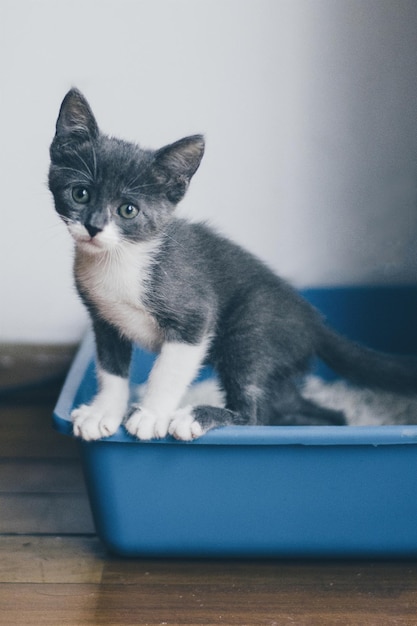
{"points": [[92, 230]]}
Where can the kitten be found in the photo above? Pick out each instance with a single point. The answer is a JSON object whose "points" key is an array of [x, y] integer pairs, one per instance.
{"points": [[182, 290]]}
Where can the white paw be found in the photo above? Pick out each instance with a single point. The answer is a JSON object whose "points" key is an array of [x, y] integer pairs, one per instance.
{"points": [[183, 425], [92, 421], [145, 425]]}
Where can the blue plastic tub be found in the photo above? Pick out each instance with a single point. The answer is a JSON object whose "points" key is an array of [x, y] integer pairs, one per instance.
{"points": [[262, 491]]}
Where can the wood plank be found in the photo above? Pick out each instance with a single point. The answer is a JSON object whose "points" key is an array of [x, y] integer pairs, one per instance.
{"points": [[52, 445], [125, 605], [48, 605], [27, 363], [41, 476], [358, 575], [45, 514], [57, 559], [27, 431], [71, 580]]}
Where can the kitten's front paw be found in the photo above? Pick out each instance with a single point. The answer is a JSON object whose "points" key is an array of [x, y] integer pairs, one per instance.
{"points": [[184, 426], [92, 422], [145, 425]]}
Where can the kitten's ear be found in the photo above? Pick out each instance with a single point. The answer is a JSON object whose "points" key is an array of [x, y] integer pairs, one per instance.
{"points": [[177, 163], [76, 119]]}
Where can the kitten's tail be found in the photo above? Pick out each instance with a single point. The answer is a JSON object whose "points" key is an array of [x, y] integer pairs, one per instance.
{"points": [[365, 366]]}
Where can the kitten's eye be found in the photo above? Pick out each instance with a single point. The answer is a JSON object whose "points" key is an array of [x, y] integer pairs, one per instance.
{"points": [[81, 195], [128, 211]]}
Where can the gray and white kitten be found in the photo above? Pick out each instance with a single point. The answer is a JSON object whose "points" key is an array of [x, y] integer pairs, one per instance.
{"points": [[183, 291]]}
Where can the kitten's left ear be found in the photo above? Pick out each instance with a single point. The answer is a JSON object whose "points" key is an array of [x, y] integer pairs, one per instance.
{"points": [[177, 164], [76, 119]]}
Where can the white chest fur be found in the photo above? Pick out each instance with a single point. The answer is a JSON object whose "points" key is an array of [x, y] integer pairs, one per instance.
{"points": [[115, 281]]}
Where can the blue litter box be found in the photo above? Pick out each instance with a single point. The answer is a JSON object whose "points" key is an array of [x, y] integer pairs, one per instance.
{"points": [[267, 491]]}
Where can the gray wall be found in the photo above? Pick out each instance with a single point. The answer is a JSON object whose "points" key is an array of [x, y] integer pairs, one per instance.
{"points": [[309, 110]]}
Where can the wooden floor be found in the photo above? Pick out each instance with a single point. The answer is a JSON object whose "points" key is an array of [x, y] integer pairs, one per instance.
{"points": [[54, 571]]}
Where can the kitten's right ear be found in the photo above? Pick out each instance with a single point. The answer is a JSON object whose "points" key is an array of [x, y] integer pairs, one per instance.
{"points": [[76, 119]]}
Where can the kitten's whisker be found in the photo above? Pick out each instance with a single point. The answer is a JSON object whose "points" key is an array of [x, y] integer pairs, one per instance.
{"points": [[67, 220], [143, 186], [84, 162], [174, 240], [93, 150], [130, 189], [78, 172]]}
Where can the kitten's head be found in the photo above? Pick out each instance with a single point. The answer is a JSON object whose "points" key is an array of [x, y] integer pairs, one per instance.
{"points": [[109, 191]]}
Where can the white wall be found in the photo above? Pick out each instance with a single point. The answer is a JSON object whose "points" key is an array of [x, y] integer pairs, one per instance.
{"points": [[309, 108]]}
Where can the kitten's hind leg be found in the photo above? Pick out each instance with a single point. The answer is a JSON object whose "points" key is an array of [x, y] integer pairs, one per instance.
{"points": [[194, 421], [321, 417], [244, 392], [242, 408], [288, 408]]}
